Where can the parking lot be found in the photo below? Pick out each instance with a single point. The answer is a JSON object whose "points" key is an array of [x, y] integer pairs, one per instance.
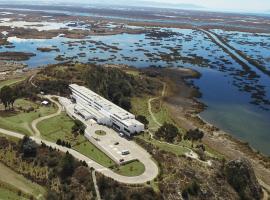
{"points": [[111, 143]]}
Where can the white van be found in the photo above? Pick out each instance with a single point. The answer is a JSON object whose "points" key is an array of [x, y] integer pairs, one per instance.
{"points": [[125, 152]]}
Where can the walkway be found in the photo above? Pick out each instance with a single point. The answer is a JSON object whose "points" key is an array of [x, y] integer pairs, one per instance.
{"points": [[36, 121]]}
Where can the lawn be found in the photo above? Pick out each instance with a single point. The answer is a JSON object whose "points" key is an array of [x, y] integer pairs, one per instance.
{"points": [[11, 82], [9, 177], [60, 127], [20, 120], [100, 132], [92, 152], [134, 168]]}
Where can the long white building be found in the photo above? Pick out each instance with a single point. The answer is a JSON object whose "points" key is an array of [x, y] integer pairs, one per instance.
{"points": [[92, 106]]}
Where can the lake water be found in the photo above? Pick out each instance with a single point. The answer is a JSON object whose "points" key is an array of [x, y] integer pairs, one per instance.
{"points": [[236, 102]]}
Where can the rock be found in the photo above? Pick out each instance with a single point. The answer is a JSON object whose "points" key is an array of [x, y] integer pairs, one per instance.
{"points": [[240, 175]]}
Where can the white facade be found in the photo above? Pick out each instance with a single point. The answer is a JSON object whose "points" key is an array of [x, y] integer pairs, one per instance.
{"points": [[92, 106]]}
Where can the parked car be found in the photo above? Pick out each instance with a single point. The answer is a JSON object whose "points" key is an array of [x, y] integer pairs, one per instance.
{"points": [[125, 152], [116, 143], [121, 134], [121, 160]]}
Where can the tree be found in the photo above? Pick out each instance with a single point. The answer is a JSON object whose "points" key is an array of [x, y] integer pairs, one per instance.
{"points": [[78, 127], [7, 96], [59, 142], [143, 120], [125, 103], [168, 132], [28, 147], [194, 135], [67, 166]]}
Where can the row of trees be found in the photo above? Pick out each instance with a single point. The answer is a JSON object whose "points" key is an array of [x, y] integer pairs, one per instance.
{"points": [[63, 143]]}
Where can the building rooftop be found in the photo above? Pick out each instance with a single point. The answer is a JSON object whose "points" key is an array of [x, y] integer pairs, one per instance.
{"points": [[107, 105]]}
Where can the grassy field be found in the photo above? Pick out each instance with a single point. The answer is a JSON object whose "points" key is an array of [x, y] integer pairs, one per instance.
{"points": [[20, 120], [134, 168], [6, 194], [140, 107], [16, 180], [14, 139], [11, 82], [60, 127]]}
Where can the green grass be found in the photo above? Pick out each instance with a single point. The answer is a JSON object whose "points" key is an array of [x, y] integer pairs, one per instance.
{"points": [[14, 139], [178, 149], [60, 127], [6, 194], [100, 132], [19, 120], [134, 168], [11, 82], [92, 152], [132, 72], [19, 182], [140, 107]]}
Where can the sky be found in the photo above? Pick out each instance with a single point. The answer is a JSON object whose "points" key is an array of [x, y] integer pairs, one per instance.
{"points": [[215, 5], [233, 5]]}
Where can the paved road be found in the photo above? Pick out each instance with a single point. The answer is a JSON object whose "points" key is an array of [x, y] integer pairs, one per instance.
{"points": [[36, 121], [151, 169]]}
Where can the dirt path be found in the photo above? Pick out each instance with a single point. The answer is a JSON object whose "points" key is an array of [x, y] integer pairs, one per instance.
{"points": [[150, 105], [191, 153], [95, 184], [18, 181], [36, 121]]}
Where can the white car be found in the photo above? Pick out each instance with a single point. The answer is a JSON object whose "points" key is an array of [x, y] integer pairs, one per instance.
{"points": [[121, 134], [125, 152]]}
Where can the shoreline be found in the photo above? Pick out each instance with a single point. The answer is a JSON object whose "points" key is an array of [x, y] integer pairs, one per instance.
{"points": [[185, 111], [186, 107]]}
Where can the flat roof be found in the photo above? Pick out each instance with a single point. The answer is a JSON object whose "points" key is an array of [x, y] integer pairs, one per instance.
{"points": [[107, 105]]}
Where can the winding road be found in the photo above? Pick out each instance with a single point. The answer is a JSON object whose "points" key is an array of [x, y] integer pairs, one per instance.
{"points": [[151, 169], [36, 121]]}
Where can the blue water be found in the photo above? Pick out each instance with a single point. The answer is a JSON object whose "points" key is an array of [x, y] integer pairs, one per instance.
{"points": [[229, 106]]}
